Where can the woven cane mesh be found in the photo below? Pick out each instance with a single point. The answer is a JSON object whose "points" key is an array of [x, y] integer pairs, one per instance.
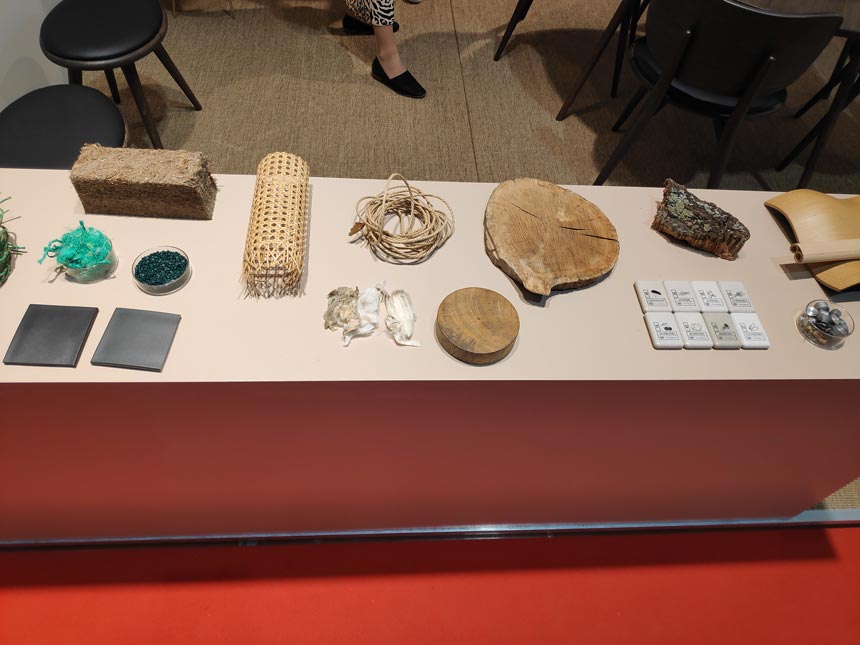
{"points": [[277, 230]]}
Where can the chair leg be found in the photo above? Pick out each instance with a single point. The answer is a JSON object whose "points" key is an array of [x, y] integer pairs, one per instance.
{"points": [[811, 136], [849, 90], [611, 28], [625, 30], [637, 16], [719, 128], [76, 77], [111, 81], [130, 73], [520, 12], [653, 104], [649, 109], [174, 72], [825, 91], [728, 136], [727, 131], [632, 105], [817, 129]]}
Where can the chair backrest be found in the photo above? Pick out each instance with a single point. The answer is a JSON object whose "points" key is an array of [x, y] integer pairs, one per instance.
{"points": [[731, 40]]}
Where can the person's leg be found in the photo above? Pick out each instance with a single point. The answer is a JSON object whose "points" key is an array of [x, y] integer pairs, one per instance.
{"points": [[387, 68], [386, 51]]}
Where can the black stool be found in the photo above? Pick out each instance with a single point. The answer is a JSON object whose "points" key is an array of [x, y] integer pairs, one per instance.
{"points": [[47, 127], [106, 34]]}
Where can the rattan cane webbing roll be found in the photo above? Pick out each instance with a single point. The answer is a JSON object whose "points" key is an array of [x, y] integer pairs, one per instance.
{"points": [[277, 230]]}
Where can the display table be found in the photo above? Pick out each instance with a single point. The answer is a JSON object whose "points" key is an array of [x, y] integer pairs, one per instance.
{"points": [[262, 424]]}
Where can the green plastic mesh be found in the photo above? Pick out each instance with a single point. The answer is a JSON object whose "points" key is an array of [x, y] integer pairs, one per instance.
{"points": [[6, 247], [80, 248]]}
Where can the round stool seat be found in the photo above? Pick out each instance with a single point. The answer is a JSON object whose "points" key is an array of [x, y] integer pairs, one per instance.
{"points": [[89, 30], [47, 127]]}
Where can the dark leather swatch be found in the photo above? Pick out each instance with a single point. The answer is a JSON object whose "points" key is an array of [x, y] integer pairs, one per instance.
{"points": [[137, 339], [51, 336]]}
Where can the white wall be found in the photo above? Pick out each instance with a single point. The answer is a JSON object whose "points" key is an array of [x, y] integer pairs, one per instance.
{"points": [[23, 67]]}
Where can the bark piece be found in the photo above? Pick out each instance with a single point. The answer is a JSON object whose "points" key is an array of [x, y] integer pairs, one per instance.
{"points": [[546, 237], [701, 224], [150, 183]]}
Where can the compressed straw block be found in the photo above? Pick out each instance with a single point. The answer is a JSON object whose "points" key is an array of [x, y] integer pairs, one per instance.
{"points": [[149, 183]]}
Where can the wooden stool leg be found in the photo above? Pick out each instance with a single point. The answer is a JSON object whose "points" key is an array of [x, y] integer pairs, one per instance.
{"points": [[174, 72], [130, 73], [76, 77], [111, 81]]}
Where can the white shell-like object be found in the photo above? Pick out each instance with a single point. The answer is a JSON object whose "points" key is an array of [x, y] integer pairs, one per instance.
{"points": [[400, 320], [368, 314]]}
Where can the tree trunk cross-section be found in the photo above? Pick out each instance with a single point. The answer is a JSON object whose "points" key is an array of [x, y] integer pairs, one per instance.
{"points": [[546, 237]]}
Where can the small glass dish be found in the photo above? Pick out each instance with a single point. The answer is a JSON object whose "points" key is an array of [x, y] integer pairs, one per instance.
{"points": [[168, 287], [825, 324], [93, 273]]}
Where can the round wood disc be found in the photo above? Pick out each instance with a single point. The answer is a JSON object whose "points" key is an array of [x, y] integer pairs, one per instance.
{"points": [[477, 326], [546, 237]]}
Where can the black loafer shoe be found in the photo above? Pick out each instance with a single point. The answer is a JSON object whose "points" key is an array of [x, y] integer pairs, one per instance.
{"points": [[404, 84], [354, 27]]}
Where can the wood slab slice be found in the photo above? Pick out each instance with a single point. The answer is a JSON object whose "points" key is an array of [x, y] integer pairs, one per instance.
{"points": [[700, 224], [477, 326], [546, 237], [816, 217]]}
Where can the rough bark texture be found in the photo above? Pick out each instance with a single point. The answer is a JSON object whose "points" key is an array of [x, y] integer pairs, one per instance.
{"points": [[151, 183], [701, 224]]}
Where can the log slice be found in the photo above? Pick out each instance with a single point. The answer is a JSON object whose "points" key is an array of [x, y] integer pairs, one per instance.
{"points": [[546, 237]]}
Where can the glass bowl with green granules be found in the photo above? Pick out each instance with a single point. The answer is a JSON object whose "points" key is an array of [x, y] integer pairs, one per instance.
{"points": [[161, 270]]}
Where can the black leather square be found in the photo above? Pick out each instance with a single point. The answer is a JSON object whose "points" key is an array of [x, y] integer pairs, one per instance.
{"points": [[51, 336], [137, 339]]}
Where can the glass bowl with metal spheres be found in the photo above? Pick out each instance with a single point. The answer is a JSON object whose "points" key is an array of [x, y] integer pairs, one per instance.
{"points": [[825, 324]]}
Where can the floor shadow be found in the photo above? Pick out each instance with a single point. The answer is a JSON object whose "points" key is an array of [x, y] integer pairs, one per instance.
{"points": [[384, 558], [675, 143]]}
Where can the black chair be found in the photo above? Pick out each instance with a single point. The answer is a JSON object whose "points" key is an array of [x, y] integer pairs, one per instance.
{"points": [[108, 34], [625, 21], [721, 59], [47, 127], [626, 18], [848, 81], [824, 93]]}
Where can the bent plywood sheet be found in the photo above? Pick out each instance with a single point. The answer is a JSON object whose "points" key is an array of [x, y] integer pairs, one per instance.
{"points": [[816, 217]]}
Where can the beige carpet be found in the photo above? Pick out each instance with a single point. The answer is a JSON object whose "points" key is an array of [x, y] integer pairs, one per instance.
{"points": [[280, 75]]}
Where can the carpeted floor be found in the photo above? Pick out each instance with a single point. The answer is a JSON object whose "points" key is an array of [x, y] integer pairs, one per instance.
{"points": [[281, 75]]}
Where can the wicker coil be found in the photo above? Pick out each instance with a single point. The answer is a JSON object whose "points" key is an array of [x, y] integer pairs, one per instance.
{"points": [[277, 231]]}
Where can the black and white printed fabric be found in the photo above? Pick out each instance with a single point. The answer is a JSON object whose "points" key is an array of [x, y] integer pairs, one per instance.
{"points": [[373, 12]]}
